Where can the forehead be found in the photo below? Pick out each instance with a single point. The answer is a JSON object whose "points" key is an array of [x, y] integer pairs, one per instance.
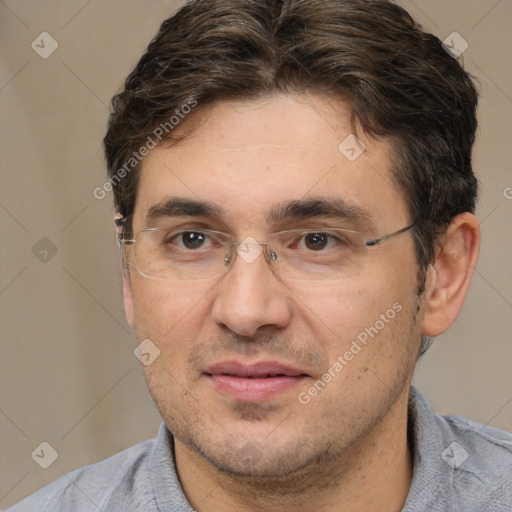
{"points": [[248, 156]]}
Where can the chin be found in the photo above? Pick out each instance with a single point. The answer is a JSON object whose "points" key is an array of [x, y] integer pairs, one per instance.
{"points": [[248, 459]]}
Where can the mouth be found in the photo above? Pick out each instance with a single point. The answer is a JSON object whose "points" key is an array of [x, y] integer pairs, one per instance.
{"points": [[256, 382]]}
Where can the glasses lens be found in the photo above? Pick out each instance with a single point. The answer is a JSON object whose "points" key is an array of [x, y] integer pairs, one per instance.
{"points": [[302, 255], [175, 254], [323, 255]]}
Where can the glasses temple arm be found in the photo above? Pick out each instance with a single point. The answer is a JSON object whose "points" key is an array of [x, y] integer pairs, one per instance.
{"points": [[376, 241]]}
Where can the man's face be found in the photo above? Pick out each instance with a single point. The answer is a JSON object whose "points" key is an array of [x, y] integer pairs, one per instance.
{"points": [[218, 336]]}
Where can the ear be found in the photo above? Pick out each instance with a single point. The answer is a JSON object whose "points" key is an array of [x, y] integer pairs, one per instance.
{"points": [[119, 223], [129, 308], [450, 274]]}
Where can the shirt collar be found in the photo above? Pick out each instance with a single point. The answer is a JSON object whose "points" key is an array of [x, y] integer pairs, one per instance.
{"points": [[167, 488], [430, 471]]}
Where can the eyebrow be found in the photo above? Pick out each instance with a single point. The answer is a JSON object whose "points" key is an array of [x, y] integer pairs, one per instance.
{"points": [[323, 207], [311, 208], [182, 207]]}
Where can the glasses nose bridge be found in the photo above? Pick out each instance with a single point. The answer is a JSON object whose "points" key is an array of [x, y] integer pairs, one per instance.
{"points": [[235, 249]]}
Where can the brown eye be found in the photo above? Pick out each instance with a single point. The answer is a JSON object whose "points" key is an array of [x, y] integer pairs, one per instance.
{"points": [[192, 239], [316, 241], [186, 239]]}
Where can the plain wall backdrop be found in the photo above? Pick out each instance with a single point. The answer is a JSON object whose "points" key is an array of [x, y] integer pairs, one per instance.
{"points": [[68, 375]]}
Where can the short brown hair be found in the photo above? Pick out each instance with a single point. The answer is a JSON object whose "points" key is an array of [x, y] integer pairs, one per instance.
{"points": [[401, 82]]}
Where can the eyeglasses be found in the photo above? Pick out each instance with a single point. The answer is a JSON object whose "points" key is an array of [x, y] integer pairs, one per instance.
{"points": [[182, 253]]}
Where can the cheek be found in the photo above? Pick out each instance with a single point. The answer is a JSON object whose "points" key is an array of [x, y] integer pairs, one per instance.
{"points": [[166, 313], [337, 312], [171, 317], [365, 321]]}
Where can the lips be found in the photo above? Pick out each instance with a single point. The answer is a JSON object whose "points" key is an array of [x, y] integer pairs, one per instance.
{"points": [[256, 382], [257, 370]]}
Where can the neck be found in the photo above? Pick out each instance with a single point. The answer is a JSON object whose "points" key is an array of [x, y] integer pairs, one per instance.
{"points": [[373, 474]]}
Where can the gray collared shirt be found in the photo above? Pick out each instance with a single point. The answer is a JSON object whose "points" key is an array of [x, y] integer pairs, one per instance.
{"points": [[459, 466]]}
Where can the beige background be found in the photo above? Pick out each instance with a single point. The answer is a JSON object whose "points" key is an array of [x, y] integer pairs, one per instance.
{"points": [[68, 375]]}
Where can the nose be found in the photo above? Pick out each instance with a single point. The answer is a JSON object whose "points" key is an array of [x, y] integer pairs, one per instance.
{"points": [[250, 296]]}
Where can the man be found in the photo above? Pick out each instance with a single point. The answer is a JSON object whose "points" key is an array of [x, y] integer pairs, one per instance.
{"points": [[295, 207]]}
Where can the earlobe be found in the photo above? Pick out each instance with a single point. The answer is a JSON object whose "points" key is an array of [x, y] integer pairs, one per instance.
{"points": [[449, 278], [129, 308]]}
